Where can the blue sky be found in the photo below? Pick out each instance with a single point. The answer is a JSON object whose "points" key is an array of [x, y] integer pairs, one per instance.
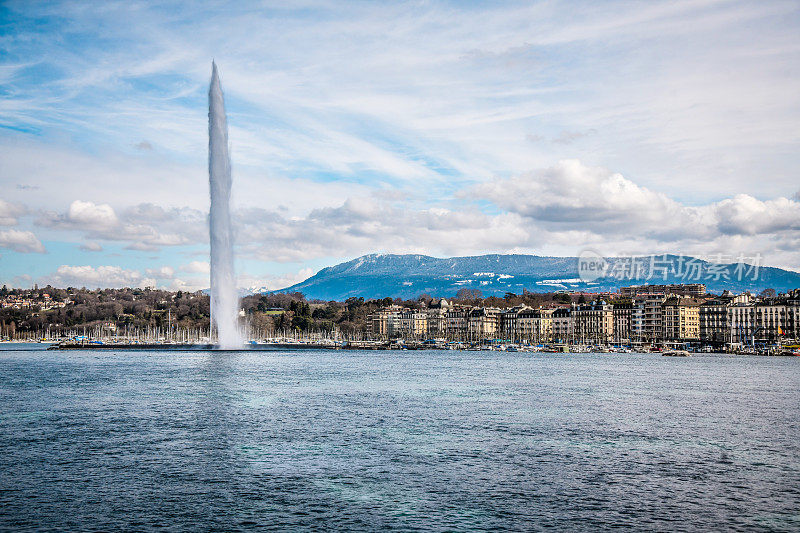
{"points": [[411, 127]]}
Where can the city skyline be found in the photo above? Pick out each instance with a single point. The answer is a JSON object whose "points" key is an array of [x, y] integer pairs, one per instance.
{"points": [[434, 128]]}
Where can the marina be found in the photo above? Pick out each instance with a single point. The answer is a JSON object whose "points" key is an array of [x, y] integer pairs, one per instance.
{"points": [[292, 344]]}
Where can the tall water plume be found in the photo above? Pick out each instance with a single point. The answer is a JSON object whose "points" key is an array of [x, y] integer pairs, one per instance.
{"points": [[224, 300]]}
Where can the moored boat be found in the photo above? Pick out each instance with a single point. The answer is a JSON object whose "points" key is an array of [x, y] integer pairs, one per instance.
{"points": [[675, 353]]}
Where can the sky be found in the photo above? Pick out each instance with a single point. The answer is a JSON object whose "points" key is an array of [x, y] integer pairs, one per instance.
{"points": [[440, 128]]}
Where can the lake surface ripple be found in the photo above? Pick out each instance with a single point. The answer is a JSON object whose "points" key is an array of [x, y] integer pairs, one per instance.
{"points": [[429, 440]]}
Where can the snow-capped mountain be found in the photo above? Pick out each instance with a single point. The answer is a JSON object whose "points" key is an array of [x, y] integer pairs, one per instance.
{"points": [[408, 276]]}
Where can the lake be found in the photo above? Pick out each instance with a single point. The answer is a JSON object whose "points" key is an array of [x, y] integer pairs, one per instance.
{"points": [[411, 440]]}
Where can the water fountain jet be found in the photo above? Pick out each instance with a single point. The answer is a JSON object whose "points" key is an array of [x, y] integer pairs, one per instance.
{"points": [[224, 298]]}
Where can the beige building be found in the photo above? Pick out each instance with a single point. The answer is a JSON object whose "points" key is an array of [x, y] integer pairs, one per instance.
{"points": [[681, 319], [484, 323], [409, 323], [382, 321], [768, 321], [593, 322], [535, 325]]}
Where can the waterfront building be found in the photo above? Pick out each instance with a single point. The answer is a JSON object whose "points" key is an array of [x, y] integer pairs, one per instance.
{"points": [[770, 320], [648, 318], [637, 322], [381, 322], [535, 325], [793, 313], [714, 319], [563, 327], [741, 323], [648, 327], [437, 322], [681, 319], [456, 322], [483, 323], [509, 322], [623, 318], [740, 319], [409, 323], [593, 322]]}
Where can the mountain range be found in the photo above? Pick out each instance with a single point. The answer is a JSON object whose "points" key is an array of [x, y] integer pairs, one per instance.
{"points": [[408, 276]]}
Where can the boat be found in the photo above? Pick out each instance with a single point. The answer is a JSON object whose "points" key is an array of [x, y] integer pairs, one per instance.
{"points": [[790, 350], [675, 353]]}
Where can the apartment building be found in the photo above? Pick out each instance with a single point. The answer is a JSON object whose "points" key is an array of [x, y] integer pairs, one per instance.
{"points": [[535, 325], [681, 319], [695, 290], [593, 322], [483, 323], [648, 325], [563, 330], [381, 322], [623, 318], [764, 321], [714, 319], [456, 320], [409, 323]]}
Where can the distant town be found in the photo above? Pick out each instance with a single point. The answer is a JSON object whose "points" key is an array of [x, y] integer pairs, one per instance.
{"points": [[641, 316], [647, 314]]}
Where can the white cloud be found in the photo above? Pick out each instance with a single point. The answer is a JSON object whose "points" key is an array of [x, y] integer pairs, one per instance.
{"points": [[163, 277], [364, 225], [98, 277], [572, 196], [196, 267], [745, 215], [146, 226], [82, 215], [164, 272], [9, 213], [91, 247], [559, 209], [188, 284], [90, 215], [21, 241], [572, 206]]}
